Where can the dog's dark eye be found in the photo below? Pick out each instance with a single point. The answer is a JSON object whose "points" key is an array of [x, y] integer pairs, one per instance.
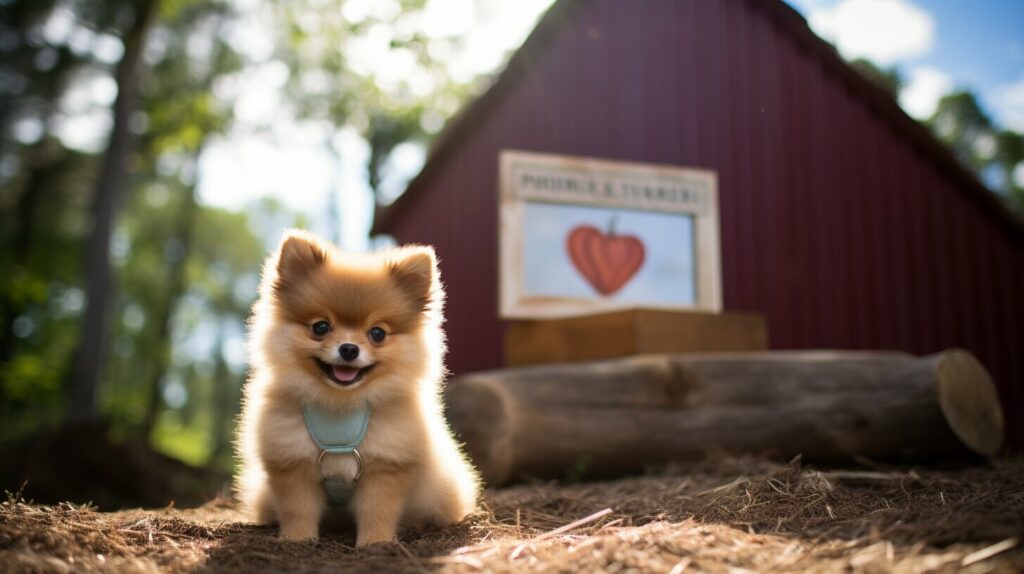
{"points": [[321, 328], [377, 334]]}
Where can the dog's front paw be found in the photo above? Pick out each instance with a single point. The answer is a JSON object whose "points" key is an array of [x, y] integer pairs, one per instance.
{"points": [[299, 533], [364, 540]]}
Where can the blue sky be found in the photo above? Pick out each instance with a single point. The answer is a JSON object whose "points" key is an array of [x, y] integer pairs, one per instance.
{"points": [[938, 45]]}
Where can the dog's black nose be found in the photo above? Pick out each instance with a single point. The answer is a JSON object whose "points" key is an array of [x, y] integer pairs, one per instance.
{"points": [[348, 351]]}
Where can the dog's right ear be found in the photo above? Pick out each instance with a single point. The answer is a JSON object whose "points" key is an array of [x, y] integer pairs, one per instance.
{"points": [[414, 268], [300, 253]]}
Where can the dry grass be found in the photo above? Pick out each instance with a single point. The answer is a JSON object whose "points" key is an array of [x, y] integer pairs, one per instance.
{"points": [[728, 516]]}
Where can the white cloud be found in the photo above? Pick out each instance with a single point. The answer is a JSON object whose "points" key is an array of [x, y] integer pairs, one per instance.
{"points": [[925, 86], [1008, 102], [883, 31]]}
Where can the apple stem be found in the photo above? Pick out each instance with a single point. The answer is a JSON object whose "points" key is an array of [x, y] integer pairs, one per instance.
{"points": [[611, 225]]}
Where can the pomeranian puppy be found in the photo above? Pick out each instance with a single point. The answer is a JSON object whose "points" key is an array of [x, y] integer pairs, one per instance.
{"points": [[341, 333]]}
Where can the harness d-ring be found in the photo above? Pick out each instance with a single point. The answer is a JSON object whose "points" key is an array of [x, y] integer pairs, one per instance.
{"points": [[359, 462]]}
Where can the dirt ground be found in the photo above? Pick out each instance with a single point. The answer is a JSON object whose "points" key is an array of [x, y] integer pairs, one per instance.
{"points": [[729, 516]]}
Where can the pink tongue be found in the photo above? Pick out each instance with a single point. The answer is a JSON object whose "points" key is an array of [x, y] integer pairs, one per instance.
{"points": [[345, 374]]}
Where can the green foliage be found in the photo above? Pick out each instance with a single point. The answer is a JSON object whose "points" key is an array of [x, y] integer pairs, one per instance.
{"points": [[43, 189], [44, 203], [39, 299], [993, 154], [960, 122], [323, 87], [1009, 158], [887, 79], [185, 440]]}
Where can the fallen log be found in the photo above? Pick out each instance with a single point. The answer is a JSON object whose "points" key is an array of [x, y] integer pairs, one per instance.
{"points": [[613, 417]]}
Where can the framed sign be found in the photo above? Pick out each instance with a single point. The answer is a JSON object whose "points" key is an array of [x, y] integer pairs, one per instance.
{"points": [[581, 236]]}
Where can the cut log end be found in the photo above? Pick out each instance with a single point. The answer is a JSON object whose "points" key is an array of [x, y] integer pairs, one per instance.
{"points": [[969, 401]]}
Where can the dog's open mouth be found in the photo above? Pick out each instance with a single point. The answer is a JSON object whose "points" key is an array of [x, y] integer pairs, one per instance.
{"points": [[343, 375]]}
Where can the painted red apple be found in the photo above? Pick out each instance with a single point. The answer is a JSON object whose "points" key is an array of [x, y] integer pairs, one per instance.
{"points": [[606, 260]]}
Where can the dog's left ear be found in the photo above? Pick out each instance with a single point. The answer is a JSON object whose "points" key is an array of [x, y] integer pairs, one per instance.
{"points": [[415, 270], [300, 252]]}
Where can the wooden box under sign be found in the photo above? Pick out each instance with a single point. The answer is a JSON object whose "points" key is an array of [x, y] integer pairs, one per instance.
{"points": [[632, 332]]}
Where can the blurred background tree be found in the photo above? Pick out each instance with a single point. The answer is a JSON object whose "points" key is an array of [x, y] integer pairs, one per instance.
{"points": [[124, 294], [49, 74], [888, 79], [325, 89], [993, 154], [109, 188]]}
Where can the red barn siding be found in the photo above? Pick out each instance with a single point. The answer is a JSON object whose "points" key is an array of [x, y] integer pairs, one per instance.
{"points": [[841, 224]]}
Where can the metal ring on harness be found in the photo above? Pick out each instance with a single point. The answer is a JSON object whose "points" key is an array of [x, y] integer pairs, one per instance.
{"points": [[359, 463]]}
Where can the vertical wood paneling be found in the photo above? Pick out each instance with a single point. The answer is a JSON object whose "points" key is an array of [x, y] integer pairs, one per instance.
{"points": [[833, 225], [1014, 370], [819, 189], [920, 214], [884, 244], [873, 215], [860, 215], [830, 194], [766, 175], [741, 136], [712, 18], [785, 200], [898, 275], [847, 243]]}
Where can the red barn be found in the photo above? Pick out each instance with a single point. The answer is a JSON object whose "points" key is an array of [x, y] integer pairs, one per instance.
{"points": [[842, 220]]}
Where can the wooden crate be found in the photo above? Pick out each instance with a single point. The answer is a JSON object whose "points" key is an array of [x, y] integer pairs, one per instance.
{"points": [[632, 332]]}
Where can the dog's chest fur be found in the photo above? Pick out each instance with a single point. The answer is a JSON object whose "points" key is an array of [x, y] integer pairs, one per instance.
{"points": [[390, 440]]}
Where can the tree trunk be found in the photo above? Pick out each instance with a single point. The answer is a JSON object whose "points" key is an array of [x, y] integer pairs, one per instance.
{"points": [[614, 417], [176, 286], [110, 187]]}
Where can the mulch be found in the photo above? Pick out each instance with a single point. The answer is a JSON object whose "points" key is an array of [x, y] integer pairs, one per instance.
{"points": [[729, 515]]}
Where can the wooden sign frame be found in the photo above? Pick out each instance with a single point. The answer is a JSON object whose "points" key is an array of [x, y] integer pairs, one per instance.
{"points": [[528, 178]]}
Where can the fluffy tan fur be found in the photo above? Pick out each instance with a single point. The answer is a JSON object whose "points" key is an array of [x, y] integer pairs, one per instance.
{"points": [[413, 471]]}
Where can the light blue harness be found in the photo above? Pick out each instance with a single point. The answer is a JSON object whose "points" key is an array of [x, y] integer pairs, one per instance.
{"points": [[337, 433]]}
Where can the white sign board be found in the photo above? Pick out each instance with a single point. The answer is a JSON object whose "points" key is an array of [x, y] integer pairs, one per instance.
{"points": [[582, 236]]}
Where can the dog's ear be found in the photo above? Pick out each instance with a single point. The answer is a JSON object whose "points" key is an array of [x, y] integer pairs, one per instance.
{"points": [[414, 268], [300, 253]]}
